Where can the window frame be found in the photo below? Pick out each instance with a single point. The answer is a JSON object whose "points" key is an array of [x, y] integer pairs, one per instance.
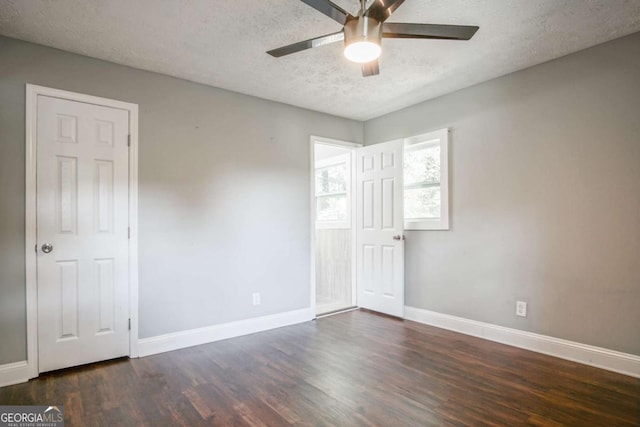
{"points": [[441, 138], [326, 163]]}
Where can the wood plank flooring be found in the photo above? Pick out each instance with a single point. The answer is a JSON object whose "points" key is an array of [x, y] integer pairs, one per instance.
{"points": [[351, 369]]}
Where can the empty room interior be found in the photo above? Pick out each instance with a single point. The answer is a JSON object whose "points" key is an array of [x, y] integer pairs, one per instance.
{"points": [[314, 212]]}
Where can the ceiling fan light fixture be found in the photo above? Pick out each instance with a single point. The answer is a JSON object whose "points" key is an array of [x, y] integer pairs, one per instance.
{"points": [[362, 52], [362, 40], [362, 33]]}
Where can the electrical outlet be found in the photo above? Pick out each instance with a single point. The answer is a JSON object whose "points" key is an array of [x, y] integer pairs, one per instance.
{"points": [[521, 308], [256, 298]]}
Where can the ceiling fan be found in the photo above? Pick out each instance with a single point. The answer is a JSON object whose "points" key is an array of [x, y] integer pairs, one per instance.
{"points": [[363, 34]]}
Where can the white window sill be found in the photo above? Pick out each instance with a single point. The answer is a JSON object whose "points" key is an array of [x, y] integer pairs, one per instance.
{"points": [[427, 224]]}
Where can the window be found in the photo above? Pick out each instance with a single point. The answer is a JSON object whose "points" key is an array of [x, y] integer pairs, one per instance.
{"points": [[426, 197], [333, 178]]}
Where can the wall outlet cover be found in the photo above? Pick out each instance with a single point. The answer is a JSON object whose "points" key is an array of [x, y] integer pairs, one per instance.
{"points": [[521, 308]]}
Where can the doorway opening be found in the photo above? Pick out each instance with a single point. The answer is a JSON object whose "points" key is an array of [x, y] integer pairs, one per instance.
{"points": [[357, 226], [333, 225]]}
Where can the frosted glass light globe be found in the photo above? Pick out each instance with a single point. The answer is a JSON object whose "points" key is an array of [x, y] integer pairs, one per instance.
{"points": [[362, 52]]}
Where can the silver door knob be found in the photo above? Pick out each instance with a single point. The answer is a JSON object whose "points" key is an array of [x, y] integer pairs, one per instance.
{"points": [[47, 247], [398, 237]]}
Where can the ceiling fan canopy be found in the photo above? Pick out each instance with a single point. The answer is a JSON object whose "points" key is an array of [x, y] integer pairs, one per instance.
{"points": [[362, 34]]}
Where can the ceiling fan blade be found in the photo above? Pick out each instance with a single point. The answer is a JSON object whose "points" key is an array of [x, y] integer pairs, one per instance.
{"points": [[307, 44], [380, 10], [333, 11], [370, 69], [428, 31]]}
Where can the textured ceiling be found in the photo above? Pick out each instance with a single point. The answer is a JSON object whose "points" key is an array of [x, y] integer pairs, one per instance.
{"points": [[222, 43]]}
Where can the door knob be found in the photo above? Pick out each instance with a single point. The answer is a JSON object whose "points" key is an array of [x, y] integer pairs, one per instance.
{"points": [[47, 247], [398, 237]]}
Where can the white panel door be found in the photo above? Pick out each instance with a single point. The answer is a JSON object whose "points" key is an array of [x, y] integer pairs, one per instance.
{"points": [[82, 229], [380, 223]]}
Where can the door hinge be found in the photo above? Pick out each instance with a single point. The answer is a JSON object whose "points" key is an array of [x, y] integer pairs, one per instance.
{"points": [[128, 232], [128, 140], [129, 323]]}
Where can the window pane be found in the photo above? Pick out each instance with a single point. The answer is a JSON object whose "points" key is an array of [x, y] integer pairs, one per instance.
{"points": [[422, 165], [331, 179], [331, 208], [420, 203]]}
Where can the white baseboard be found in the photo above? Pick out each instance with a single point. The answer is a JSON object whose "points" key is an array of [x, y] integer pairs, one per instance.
{"points": [[610, 360], [14, 373], [189, 338]]}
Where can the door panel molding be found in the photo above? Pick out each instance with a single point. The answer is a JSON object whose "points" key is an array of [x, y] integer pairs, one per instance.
{"points": [[32, 93]]}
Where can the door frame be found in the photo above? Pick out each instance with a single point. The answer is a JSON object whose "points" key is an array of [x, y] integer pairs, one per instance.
{"points": [[312, 197], [32, 93]]}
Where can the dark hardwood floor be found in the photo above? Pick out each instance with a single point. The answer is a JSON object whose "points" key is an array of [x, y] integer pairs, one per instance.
{"points": [[354, 368]]}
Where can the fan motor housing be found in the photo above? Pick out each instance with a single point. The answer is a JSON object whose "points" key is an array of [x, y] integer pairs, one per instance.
{"points": [[362, 29]]}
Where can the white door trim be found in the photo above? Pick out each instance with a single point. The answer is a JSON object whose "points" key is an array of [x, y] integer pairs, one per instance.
{"points": [[32, 92], [312, 198]]}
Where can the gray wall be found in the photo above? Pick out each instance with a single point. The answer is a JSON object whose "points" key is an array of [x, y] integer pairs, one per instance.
{"points": [[224, 193], [545, 174]]}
